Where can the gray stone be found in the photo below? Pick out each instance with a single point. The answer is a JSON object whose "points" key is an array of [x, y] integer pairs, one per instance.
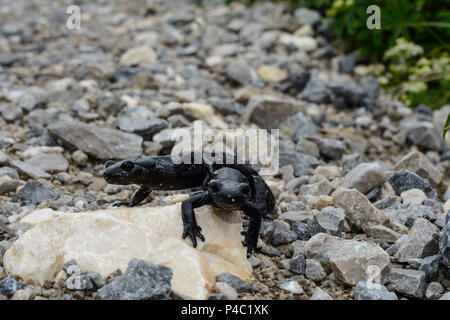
{"points": [[79, 282], [301, 229], [49, 162], [446, 296], [307, 16], [350, 161], [314, 270], [71, 268], [109, 105], [348, 259], [422, 134], [281, 234], [319, 294], [364, 177], [299, 125], [408, 282], [10, 112], [292, 286], [235, 282], [430, 266], [444, 248], [370, 85], [10, 172], [330, 220], [434, 290], [97, 279], [403, 180], [146, 128], [330, 148], [33, 172], [349, 95], [9, 185], [407, 213], [315, 91], [297, 264], [268, 112], [35, 192], [300, 161], [9, 286], [98, 142], [382, 233], [140, 281], [346, 64], [374, 291], [420, 242], [243, 74], [419, 164]]}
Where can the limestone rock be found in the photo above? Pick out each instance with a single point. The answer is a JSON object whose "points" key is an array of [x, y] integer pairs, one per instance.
{"points": [[106, 240], [204, 112], [413, 196], [420, 242], [359, 210], [364, 177], [271, 74], [409, 282], [418, 163], [364, 291], [348, 259], [382, 233], [137, 55]]}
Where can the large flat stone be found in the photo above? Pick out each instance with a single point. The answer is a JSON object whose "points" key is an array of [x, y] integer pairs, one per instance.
{"points": [[106, 240], [350, 260], [99, 142]]}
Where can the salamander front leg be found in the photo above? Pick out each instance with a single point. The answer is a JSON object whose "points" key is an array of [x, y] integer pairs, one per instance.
{"points": [[138, 197], [190, 227]]}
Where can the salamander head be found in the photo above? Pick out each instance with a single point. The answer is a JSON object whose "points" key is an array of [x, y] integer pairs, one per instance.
{"points": [[124, 172], [229, 189]]}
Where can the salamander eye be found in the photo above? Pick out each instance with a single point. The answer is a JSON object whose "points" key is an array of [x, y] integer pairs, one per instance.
{"points": [[109, 163], [215, 186], [244, 188], [127, 166]]}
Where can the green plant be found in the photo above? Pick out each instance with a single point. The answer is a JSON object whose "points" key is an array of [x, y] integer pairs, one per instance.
{"points": [[423, 22]]}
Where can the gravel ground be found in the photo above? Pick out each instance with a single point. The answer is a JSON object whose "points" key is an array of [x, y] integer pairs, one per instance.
{"points": [[362, 189]]}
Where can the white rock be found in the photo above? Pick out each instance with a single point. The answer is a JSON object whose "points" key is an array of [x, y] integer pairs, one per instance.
{"points": [[226, 290], [292, 286], [319, 294], [106, 240], [304, 43], [137, 55], [350, 260], [34, 151], [446, 205], [413, 196], [205, 112]]}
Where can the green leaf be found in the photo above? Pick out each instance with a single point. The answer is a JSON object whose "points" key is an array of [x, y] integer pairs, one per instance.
{"points": [[446, 126]]}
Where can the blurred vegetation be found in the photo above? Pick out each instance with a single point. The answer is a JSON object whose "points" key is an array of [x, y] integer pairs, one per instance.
{"points": [[409, 54]]}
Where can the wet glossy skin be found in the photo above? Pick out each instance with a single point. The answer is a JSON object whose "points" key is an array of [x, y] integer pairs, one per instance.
{"points": [[227, 186]]}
